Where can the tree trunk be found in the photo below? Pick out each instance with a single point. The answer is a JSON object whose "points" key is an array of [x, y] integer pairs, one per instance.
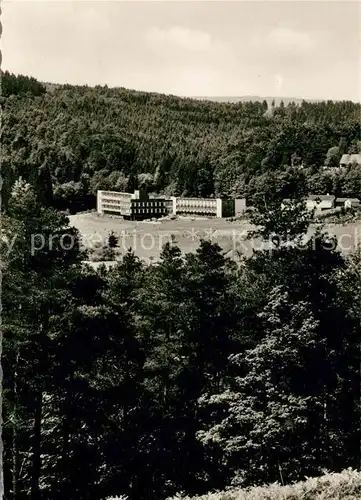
{"points": [[14, 454], [67, 424], [36, 449]]}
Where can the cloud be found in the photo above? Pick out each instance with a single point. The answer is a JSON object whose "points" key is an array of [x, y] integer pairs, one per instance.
{"points": [[186, 43], [185, 38], [288, 40], [286, 43], [191, 61]]}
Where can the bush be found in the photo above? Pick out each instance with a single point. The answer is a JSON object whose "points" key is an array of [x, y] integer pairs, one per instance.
{"points": [[103, 253], [112, 240], [331, 486]]}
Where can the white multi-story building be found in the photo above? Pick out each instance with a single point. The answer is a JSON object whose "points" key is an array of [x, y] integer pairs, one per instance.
{"points": [[138, 205], [114, 202]]}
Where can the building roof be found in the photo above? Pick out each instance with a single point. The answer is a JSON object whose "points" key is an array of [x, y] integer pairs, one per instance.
{"points": [[350, 159], [321, 197], [342, 200], [344, 159], [355, 158]]}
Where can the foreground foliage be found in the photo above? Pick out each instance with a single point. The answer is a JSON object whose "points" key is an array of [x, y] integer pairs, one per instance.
{"points": [[331, 486], [192, 374]]}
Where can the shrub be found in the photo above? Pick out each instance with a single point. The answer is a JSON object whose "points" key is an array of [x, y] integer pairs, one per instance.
{"points": [[331, 486]]}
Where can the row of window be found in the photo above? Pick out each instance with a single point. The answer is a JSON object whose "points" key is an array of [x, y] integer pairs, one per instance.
{"points": [[111, 205], [184, 204], [197, 203], [135, 202], [117, 202], [148, 203], [196, 209], [147, 211], [115, 194]]}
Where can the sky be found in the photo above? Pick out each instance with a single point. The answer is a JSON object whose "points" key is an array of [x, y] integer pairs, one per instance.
{"points": [[306, 49]]}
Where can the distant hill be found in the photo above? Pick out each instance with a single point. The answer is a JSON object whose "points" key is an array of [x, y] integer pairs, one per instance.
{"points": [[256, 98], [51, 87]]}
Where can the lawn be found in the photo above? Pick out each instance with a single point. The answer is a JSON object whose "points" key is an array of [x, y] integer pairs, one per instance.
{"points": [[147, 238]]}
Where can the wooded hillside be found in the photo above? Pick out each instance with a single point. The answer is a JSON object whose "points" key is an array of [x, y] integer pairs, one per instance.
{"points": [[71, 141]]}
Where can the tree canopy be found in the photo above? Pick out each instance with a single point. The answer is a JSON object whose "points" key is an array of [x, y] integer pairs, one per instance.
{"points": [[77, 139]]}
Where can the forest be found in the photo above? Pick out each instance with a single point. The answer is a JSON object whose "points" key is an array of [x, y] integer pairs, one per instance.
{"points": [[189, 375], [195, 373], [69, 141]]}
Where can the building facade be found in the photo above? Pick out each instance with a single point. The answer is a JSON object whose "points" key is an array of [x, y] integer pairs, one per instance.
{"points": [[209, 207], [138, 205], [197, 206], [239, 206], [320, 202], [350, 160], [151, 208], [348, 203], [114, 203], [135, 205]]}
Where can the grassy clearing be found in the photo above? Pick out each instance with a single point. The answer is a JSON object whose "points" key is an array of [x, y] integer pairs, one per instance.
{"points": [[147, 238], [331, 486]]}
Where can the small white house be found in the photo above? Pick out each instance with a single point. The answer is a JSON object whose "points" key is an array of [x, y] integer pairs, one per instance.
{"points": [[320, 202], [348, 203], [350, 160]]}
